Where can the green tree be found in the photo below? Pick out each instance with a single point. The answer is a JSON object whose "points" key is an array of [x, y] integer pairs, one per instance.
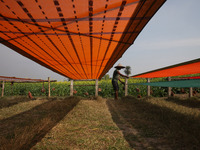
{"points": [[127, 70], [106, 77]]}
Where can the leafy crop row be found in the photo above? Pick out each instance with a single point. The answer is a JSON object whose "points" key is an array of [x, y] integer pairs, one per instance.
{"points": [[87, 88]]}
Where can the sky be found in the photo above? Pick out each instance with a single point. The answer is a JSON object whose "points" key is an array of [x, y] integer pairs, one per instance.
{"points": [[172, 36]]}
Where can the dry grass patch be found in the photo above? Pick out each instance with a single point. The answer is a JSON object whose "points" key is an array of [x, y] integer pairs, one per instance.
{"points": [[13, 100], [88, 126], [74, 123], [24, 130], [19, 108], [160, 123]]}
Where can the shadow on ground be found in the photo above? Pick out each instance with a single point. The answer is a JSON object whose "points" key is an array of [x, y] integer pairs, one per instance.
{"points": [[149, 126], [24, 130], [10, 101], [193, 102]]}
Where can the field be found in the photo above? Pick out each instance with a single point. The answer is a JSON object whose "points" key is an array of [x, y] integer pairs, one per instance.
{"points": [[83, 90], [83, 123]]}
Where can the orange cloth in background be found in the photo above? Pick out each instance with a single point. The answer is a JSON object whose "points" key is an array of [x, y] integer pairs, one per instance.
{"points": [[190, 67]]}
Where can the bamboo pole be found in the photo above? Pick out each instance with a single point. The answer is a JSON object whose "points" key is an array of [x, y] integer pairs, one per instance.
{"points": [[71, 87], [126, 87], [2, 89], [169, 88], [49, 91], [191, 92], [148, 87], [11, 85], [96, 88]]}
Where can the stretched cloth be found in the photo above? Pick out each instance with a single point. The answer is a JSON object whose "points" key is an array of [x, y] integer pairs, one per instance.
{"points": [[79, 39], [180, 83], [185, 68]]}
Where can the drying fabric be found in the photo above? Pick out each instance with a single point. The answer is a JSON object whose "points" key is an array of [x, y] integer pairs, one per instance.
{"points": [[79, 39], [186, 68]]}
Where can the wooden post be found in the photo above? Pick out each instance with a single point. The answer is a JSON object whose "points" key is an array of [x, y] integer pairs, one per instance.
{"points": [[148, 87], [11, 85], [71, 87], [191, 92], [49, 93], [126, 87], [96, 88], [2, 89], [169, 88]]}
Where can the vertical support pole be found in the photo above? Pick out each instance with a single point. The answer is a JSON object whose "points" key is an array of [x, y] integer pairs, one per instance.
{"points": [[11, 85], [71, 87], [148, 87], [126, 87], [169, 88], [2, 89], [96, 88], [49, 91], [191, 92]]}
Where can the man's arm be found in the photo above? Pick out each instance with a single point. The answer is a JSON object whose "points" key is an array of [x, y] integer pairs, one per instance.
{"points": [[121, 81], [122, 74]]}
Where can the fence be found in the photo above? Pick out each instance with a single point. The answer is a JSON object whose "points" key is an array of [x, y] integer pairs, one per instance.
{"points": [[97, 89], [87, 88], [13, 80]]}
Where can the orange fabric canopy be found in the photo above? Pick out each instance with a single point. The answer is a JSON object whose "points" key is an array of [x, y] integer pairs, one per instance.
{"points": [[80, 39], [189, 67]]}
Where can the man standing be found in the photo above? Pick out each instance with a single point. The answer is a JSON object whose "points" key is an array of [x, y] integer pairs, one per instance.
{"points": [[116, 77]]}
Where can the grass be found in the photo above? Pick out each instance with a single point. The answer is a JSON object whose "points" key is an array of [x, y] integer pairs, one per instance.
{"points": [[19, 108], [25, 129], [9, 101], [77, 123], [88, 126], [160, 123]]}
